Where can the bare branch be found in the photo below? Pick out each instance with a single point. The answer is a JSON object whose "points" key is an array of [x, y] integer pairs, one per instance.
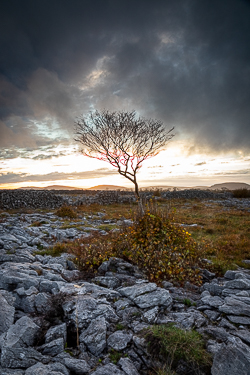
{"points": [[121, 139]]}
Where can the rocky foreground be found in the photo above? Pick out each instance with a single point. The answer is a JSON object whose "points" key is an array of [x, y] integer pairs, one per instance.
{"points": [[54, 322]]}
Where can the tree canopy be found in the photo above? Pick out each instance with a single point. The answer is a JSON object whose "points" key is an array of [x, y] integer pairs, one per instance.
{"points": [[121, 138]]}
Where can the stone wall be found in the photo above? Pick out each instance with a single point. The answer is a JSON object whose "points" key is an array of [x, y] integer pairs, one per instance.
{"points": [[14, 199]]}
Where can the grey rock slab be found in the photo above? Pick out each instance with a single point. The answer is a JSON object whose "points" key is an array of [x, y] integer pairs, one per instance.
{"points": [[54, 347], [150, 316], [218, 333], [213, 288], [26, 304], [238, 284], [108, 369], [14, 276], [245, 299], [140, 343], [239, 319], [121, 304], [138, 327], [94, 337], [213, 347], [235, 275], [87, 308], [6, 314], [159, 297], [78, 366], [244, 335], [189, 319], [212, 315], [107, 312], [56, 366], [16, 352], [119, 340], [224, 323], [70, 275], [167, 284], [227, 292], [109, 282], [232, 359], [8, 371], [20, 357], [214, 301], [56, 332], [52, 276], [22, 333], [20, 256], [234, 306], [47, 286], [88, 289], [243, 293], [42, 302], [230, 274], [134, 291], [128, 366], [8, 237], [26, 292], [41, 369]]}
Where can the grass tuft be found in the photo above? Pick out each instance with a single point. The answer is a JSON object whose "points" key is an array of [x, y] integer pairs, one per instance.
{"points": [[115, 356], [66, 211], [169, 344]]}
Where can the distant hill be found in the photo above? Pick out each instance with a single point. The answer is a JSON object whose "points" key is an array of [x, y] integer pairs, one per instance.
{"points": [[230, 186], [108, 187], [226, 185], [51, 187], [162, 187]]}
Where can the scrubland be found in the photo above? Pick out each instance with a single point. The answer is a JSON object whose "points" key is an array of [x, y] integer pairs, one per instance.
{"points": [[171, 241]]}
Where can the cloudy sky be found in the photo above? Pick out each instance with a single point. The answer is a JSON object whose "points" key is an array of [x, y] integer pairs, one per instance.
{"points": [[185, 62]]}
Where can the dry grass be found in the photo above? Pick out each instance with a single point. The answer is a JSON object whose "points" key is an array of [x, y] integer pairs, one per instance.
{"points": [[114, 211], [223, 233]]}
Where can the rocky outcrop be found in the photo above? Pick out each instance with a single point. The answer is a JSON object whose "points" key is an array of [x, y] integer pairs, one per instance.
{"points": [[53, 322]]}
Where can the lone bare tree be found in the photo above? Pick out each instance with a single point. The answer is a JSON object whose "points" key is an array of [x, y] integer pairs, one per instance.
{"points": [[122, 139]]}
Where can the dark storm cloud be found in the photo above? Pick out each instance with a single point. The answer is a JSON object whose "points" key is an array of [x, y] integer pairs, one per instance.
{"points": [[186, 62], [54, 176]]}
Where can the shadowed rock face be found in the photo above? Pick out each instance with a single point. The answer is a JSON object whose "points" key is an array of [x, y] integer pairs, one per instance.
{"points": [[93, 321], [6, 313], [223, 363]]}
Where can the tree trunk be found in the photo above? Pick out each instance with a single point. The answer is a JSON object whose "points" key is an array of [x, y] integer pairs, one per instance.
{"points": [[139, 200]]}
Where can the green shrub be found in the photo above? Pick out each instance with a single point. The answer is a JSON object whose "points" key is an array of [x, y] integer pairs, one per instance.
{"points": [[241, 193], [66, 211], [169, 344], [92, 251], [187, 302], [115, 356], [162, 249], [54, 251], [119, 327]]}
